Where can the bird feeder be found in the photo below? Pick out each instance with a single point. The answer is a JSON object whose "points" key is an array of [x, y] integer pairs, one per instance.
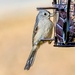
{"points": [[64, 23]]}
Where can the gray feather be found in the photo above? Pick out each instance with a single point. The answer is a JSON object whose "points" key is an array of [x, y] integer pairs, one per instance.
{"points": [[35, 29], [30, 60]]}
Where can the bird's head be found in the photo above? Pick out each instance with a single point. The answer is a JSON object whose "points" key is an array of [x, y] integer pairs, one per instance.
{"points": [[43, 14]]}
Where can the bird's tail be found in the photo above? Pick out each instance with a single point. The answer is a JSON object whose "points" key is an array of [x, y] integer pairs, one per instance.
{"points": [[31, 58]]}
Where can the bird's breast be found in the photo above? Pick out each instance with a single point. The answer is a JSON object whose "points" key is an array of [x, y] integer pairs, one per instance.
{"points": [[45, 27]]}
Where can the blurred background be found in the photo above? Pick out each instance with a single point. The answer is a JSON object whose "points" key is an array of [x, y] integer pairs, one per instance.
{"points": [[17, 18]]}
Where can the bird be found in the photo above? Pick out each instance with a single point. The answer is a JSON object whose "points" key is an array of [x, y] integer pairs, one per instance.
{"points": [[43, 29]]}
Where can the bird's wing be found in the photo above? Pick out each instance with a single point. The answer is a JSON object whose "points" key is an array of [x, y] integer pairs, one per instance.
{"points": [[35, 30]]}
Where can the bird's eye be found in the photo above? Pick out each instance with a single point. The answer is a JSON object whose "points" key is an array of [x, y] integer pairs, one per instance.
{"points": [[45, 14]]}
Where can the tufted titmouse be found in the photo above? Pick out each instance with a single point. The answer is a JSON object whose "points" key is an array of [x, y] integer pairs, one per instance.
{"points": [[42, 30]]}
